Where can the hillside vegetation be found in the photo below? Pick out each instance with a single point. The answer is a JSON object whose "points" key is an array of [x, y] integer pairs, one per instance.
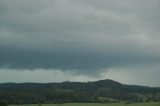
{"points": [[103, 91], [97, 104]]}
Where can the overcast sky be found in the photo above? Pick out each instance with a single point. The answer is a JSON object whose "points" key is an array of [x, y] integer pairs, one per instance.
{"points": [[80, 40]]}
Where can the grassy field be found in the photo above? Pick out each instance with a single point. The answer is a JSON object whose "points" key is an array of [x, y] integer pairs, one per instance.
{"points": [[96, 104]]}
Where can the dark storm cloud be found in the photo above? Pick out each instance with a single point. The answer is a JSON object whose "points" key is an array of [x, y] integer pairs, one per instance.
{"points": [[79, 34], [41, 59]]}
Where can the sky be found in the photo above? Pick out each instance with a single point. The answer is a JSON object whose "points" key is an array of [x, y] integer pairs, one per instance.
{"points": [[80, 40]]}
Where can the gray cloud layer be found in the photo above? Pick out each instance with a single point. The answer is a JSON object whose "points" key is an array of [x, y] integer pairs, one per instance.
{"points": [[82, 35]]}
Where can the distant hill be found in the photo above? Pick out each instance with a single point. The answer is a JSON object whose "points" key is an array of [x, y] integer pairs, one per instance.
{"points": [[98, 91]]}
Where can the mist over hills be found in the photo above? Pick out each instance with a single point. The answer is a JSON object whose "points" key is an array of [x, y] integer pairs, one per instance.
{"points": [[97, 91]]}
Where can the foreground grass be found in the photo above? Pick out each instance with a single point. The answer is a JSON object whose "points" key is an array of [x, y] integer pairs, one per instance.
{"points": [[96, 104]]}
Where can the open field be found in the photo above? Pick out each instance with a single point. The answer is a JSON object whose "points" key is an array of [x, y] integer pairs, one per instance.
{"points": [[96, 104]]}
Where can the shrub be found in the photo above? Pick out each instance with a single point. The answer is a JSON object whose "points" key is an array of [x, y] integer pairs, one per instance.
{"points": [[3, 103]]}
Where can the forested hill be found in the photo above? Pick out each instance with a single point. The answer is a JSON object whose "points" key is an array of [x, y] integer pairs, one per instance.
{"points": [[98, 91]]}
